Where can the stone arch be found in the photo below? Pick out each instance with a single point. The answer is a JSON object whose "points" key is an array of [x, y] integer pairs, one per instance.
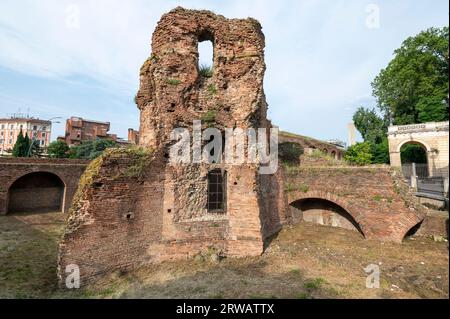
{"points": [[413, 141], [346, 210], [42, 191]]}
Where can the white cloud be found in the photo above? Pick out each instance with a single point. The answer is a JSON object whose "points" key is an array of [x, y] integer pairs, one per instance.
{"points": [[320, 55]]}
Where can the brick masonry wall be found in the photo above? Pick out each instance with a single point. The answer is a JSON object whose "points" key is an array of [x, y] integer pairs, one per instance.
{"points": [[376, 197], [11, 169]]}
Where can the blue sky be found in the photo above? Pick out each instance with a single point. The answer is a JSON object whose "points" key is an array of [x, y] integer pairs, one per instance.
{"points": [[82, 58]]}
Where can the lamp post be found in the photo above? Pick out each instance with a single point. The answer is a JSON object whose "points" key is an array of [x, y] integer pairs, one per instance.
{"points": [[34, 138]]}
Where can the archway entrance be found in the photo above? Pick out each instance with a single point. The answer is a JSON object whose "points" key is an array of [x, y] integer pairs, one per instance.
{"points": [[323, 212], [414, 160], [36, 192]]}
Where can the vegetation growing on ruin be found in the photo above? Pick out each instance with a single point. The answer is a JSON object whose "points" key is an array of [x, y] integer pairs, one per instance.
{"points": [[289, 187], [174, 82], [212, 89], [206, 71], [141, 157], [209, 117], [86, 181], [290, 153]]}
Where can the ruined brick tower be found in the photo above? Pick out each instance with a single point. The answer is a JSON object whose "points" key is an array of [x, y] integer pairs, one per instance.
{"points": [[134, 207]]}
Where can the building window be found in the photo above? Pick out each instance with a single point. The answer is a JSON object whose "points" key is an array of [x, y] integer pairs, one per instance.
{"points": [[43, 135], [44, 128], [35, 128], [216, 191]]}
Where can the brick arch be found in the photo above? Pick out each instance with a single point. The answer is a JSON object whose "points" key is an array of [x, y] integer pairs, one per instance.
{"points": [[56, 176], [344, 204], [68, 171], [16, 177]]}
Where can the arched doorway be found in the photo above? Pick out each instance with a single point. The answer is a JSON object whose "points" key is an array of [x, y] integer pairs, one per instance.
{"points": [[36, 192], [323, 212], [414, 157]]}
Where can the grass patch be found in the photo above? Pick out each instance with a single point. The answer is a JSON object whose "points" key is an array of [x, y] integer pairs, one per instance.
{"points": [[174, 82], [206, 71], [377, 198], [212, 89], [314, 284], [209, 117]]}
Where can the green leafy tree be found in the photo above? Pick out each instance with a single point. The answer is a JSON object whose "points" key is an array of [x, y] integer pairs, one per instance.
{"points": [[371, 126], [413, 88], [91, 149], [359, 154], [58, 149], [22, 146], [373, 129], [380, 152]]}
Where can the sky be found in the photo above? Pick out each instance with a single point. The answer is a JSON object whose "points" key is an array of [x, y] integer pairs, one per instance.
{"points": [[62, 58]]}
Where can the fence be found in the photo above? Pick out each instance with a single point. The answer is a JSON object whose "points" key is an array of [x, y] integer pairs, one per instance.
{"points": [[423, 171]]}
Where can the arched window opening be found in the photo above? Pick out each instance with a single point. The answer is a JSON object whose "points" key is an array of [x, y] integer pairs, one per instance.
{"points": [[206, 55], [216, 191]]}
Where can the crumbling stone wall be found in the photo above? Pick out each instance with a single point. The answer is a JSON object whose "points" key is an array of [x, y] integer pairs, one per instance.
{"points": [[133, 206]]}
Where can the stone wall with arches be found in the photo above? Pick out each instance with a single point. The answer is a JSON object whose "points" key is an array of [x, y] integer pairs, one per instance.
{"points": [[375, 199], [433, 137], [15, 169]]}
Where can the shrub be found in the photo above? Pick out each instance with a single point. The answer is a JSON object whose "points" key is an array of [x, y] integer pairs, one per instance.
{"points": [[58, 149], [91, 149], [290, 153], [359, 154]]}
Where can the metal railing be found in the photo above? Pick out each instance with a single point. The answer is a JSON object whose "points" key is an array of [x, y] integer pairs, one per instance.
{"points": [[423, 171]]}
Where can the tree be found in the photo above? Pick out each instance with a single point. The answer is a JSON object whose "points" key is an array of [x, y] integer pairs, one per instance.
{"points": [[359, 154], [58, 149], [380, 152], [36, 150], [21, 146], [91, 149], [371, 126], [414, 86]]}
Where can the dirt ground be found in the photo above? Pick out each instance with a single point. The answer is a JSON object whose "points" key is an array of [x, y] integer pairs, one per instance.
{"points": [[303, 261]]}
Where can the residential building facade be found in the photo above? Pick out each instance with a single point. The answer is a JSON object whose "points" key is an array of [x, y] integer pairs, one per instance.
{"points": [[79, 129], [39, 130]]}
